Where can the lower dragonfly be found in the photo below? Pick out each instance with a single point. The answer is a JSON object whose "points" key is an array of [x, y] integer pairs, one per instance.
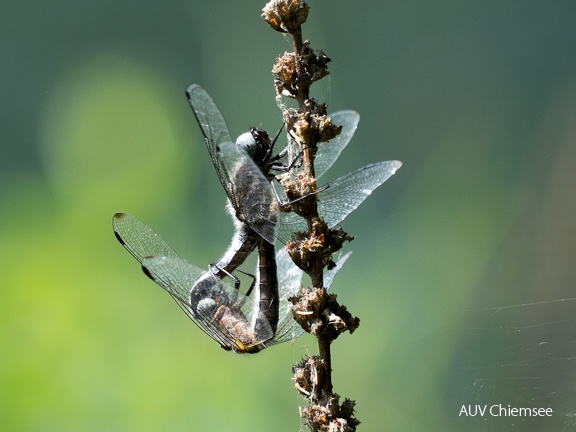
{"points": [[236, 321]]}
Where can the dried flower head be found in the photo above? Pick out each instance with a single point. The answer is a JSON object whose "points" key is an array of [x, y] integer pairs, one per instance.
{"points": [[285, 16], [313, 128], [285, 74], [307, 375], [319, 313], [294, 71], [328, 415]]}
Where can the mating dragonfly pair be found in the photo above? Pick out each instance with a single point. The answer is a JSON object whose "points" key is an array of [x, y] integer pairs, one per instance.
{"points": [[261, 317]]}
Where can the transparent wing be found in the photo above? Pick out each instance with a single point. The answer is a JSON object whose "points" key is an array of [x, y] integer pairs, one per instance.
{"points": [[247, 188], [249, 191], [329, 151], [345, 194], [221, 313], [210, 119], [138, 238], [290, 283], [213, 127], [342, 196], [331, 274], [220, 310]]}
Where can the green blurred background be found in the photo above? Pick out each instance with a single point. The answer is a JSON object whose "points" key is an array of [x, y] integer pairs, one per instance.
{"points": [[463, 268]]}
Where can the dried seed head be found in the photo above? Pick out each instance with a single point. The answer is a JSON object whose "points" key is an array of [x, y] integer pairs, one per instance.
{"points": [[295, 72], [313, 128], [286, 16], [314, 65], [284, 71], [307, 376], [329, 416], [320, 314]]}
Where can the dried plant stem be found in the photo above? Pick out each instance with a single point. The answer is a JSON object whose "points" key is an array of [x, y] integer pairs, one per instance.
{"points": [[315, 310], [325, 354]]}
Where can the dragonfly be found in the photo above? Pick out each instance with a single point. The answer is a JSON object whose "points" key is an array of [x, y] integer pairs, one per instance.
{"points": [[232, 319], [245, 169]]}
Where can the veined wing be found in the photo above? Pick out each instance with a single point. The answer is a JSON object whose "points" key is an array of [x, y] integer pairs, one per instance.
{"points": [[331, 274], [289, 284], [247, 188], [328, 152], [139, 239], [342, 196], [220, 310], [213, 126], [223, 313]]}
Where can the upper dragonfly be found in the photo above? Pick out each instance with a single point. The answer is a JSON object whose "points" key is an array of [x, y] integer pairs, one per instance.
{"points": [[245, 169]]}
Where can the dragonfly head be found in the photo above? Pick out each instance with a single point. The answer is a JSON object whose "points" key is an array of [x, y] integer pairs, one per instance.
{"points": [[257, 144]]}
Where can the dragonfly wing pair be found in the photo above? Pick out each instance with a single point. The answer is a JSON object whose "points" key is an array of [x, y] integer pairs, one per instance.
{"points": [[221, 311], [341, 197]]}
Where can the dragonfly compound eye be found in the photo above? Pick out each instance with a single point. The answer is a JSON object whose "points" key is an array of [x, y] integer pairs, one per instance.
{"points": [[247, 142]]}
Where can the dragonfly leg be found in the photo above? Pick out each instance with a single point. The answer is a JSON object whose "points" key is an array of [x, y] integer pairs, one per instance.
{"points": [[285, 204], [283, 168], [214, 269], [253, 281]]}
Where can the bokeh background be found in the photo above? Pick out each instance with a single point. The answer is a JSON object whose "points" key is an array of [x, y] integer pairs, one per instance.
{"points": [[463, 268]]}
